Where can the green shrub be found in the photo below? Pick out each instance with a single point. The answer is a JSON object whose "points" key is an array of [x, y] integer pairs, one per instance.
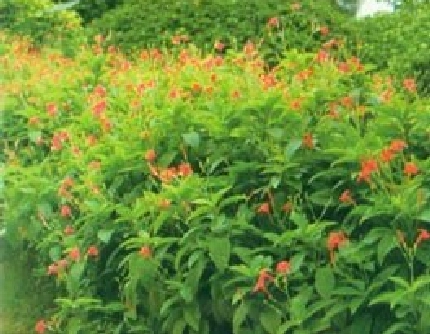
{"points": [[189, 194], [399, 43], [36, 20], [137, 24], [92, 9]]}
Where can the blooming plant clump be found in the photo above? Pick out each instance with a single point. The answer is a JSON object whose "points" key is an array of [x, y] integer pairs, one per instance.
{"points": [[181, 193]]}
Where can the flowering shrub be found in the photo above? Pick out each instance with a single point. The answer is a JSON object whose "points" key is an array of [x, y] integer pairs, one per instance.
{"points": [[188, 194], [281, 24], [35, 19]]}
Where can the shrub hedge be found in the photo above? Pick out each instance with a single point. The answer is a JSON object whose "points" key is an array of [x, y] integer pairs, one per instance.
{"points": [[399, 42], [188, 194], [137, 24]]}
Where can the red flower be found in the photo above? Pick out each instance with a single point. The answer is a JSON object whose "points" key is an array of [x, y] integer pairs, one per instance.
{"points": [[40, 327], [164, 203], [62, 263], [53, 269], [219, 46], [93, 251], [324, 30], [334, 241], [397, 145], [264, 208], [322, 56], [287, 207], [308, 140], [387, 155], [283, 267], [52, 109], [75, 254], [99, 108], [263, 277], [100, 91], [273, 22], [150, 155], [410, 85], [367, 168], [145, 252], [424, 235], [343, 67], [185, 169], [68, 230], [66, 211], [346, 197], [34, 120], [410, 169]]}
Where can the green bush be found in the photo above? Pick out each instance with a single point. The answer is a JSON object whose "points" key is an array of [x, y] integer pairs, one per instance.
{"points": [[36, 19], [92, 9], [399, 42], [137, 24], [189, 194]]}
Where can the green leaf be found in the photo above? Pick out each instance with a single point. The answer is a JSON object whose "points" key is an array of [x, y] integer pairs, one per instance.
{"points": [[55, 253], [239, 317], [276, 132], [292, 147], [385, 245], [270, 321], [219, 251], [424, 216], [192, 139], [179, 326], [324, 282], [104, 235], [192, 316]]}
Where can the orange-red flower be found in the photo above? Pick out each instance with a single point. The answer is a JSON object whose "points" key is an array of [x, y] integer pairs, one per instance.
{"points": [[324, 30], [264, 208], [367, 168], [52, 109], [335, 241], [65, 211], [346, 197], [422, 236], [273, 22], [410, 169], [150, 155], [287, 207], [145, 252], [263, 277], [308, 140], [75, 254], [219, 46], [387, 155], [283, 267], [185, 169], [40, 327], [397, 145], [93, 251], [69, 230], [410, 85]]}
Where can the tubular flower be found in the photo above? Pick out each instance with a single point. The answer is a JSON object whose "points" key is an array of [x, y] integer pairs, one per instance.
{"points": [[335, 241], [263, 278], [346, 197], [283, 267], [410, 169], [424, 235], [367, 168]]}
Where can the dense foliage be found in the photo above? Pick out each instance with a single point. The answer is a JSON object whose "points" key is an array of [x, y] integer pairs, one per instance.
{"points": [[229, 21], [176, 193], [35, 19], [398, 42]]}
